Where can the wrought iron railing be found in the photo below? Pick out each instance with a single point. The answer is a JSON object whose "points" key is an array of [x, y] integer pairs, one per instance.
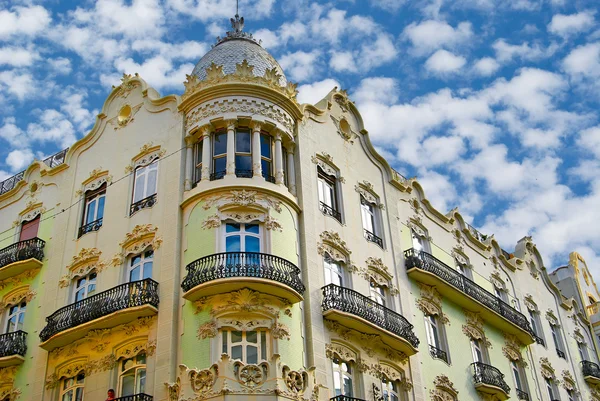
{"points": [[438, 353], [561, 354], [398, 177], [135, 397], [23, 250], [506, 254], [590, 369], [52, 161], [242, 264], [128, 295], [522, 395], [244, 173], [56, 159], [475, 233], [328, 210], [373, 238], [217, 175], [93, 226], [345, 398], [488, 374], [13, 343], [424, 261], [539, 340], [350, 301], [142, 204]]}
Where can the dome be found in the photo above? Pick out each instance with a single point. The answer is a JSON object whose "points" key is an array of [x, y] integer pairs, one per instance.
{"points": [[233, 49]]}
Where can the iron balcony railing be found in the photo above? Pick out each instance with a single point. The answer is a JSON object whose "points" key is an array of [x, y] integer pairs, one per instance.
{"points": [[522, 395], [142, 204], [373, 238], [345, 398], [328, 210], [424, 261], [135, 397], [13, 343], [128, 295], [350, 301], [590, 369], [539, 340], [561, 354], [217, 175], [438, 353], [89, 227], [244, 173], [23, 250], [56, 159], [52, 161], [487, 374], [242, 264]]}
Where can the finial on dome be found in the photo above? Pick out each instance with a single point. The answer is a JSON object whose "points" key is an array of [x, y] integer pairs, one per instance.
{"points": [[237, 24]]}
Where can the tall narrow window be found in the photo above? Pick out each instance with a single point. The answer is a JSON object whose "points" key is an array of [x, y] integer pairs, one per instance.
{"points": [[419, 243], [536, 326], [477, 350], [140, 266], [132, 376], [243, 153], [519, 378], [285, 167], [245, 346], [16, 317], [85, 287], [557, 341], [437, 347], [144, 187], [327, 195], [377, 293], [93, 213], [501, 294], [551, 389], [465, 270], [266, 157], [583, 352], [29, 229], [572, 396], [219, 167], [342, 378], [369, 220], [389, 389], [333, 271], [198, 161], [72, 388]]}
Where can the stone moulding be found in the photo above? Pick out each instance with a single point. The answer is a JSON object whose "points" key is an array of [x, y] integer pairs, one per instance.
{"points": [[512, 349], [325, 161], [430, 303], [366, 190], [97, 178], [332, 244], [546, 369], [148, 153], [444, 389], [142, 237], [474, 328], [244, 198], [17, 295], [31, 211], [19, 279]]}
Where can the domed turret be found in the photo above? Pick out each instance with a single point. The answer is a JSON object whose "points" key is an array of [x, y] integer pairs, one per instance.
{"points": [[233, 49]]}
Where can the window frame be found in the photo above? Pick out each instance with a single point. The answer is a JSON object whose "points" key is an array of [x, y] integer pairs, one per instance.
{"points": [[328, 261], [88, 282], [478, 344], [148, 168], [464, 269], [197, 160], [390, 389], [19, 314], [557, 338], [270, 160], [242, 233], [237, 153], [214, 157], [135, 368], [337, 369], [331, 181], [376, 295], [146, 257], [422, 241], [262, 344], [74, 387]]}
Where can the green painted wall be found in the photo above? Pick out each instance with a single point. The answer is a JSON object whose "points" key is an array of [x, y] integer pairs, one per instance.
{"points": [[196, 352], [200, 241]]}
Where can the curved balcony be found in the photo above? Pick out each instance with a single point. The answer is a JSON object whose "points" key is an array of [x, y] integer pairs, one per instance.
{"points": [[356, 311], [490, 380], [591, 372], [119, 305], [231, 271], [135, 397], [425, 268], [20, 257], [12, 348], [345, 398]]}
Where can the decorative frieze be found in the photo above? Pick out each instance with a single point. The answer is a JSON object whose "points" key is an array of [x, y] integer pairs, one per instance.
{"points": [[17, 295], [243, 198], [19, 279], [332, 244], [142, 237], [546, 369], [97, 178], [443, 390]]}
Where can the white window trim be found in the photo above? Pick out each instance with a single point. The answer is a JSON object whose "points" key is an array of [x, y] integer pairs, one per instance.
{"points": [[72, 388], [226, 333], [142, 262], [85, 286], [136, 368], [337, 369], [243, 234], [18, 312], [144, 176], [329, 273], [88, 201], [423, 242]]}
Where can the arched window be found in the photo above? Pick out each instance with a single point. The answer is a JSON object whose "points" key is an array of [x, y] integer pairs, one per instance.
{"points": [[84, 286], [145, 181], [71, 389], [342, 378], [248, 346], [389, 389], [132, 375], [333, 271], [16, 317], [140, 266]]}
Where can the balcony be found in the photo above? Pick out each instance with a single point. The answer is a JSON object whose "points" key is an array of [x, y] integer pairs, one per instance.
{"points": [[490, 380], [345, 398], [329, 211], [230, 271], [356, 311], [12, 348], [561, 354], [591, 372], [142, 204], [89, 227], [135, 397], [539, 340], [522, 395], [21, 256], [119, 305], [373, 238], [425, 268], [438, 353]]}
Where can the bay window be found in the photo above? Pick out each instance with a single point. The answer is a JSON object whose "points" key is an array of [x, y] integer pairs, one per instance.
{"points": [[243, 153], [247, 346], [219, 155]]}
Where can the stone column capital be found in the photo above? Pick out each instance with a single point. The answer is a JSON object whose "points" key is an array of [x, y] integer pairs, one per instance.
{"points": [[230, 124]]}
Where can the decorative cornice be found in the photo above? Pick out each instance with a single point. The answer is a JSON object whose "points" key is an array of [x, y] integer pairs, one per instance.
{"points": [[430, 303], [148, 153], [243, 198], [444, 389], [17, 295], [332, 244], [546, 368], [568, 382], [31, 211], [97, 178], [551, 317], [530, 303], [325, 161]]}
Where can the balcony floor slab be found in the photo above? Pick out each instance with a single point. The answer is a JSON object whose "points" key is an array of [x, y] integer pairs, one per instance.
{"points": [[227, 285], [11, 360]]}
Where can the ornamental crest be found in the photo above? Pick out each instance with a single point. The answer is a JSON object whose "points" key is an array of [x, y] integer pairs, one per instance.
{"points": [[85, 258], [139, 239], [546, 368], [18, 295], [551, 317], [474, 327], [458, 253], [243, 198], [340, 351], [512, 349], [147, 155], [444, 389], [418, 229], [32, 210], [325, 162], [97, 178], [568, 381], [344, 130], [578, 336], [128, 83], [497, 281], [203, 380], [332, 244], [430, 303], [365, 189], [530, 304]]}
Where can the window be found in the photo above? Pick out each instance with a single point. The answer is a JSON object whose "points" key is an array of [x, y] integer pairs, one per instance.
{"points": [[519, 377], [536, 326], [419, 243], [327, 195], [551, 389], [333, 271], [389, 389], [198, 161], [85, 286], [377, 293], [266, 157], [243, 153], [434, 330], [478, 351], [72, 388], [16, 317], [245, 346], [342, 378], [140, 266], [29, 229], [219, 167], [145, 181], [501, 294], [132, 376], [465, 270], [94, 211], [572, 396], [369, 221], [286, 182], [557, 341], [583, 352], [240, 237]]}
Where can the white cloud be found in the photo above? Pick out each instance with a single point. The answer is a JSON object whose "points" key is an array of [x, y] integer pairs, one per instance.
{"points": [[388, 5], [18, 159], [376, 90], [268, 38], [21, 85], [209, 10], [342, 61], [11, 133], [567, 25], [158, 71], [300, 66], [60, 65], [28, 21], [583, 62], [443, 62], [486, 66], [313, 93], [376, 53], [52, 127], [73, 106], [330, 28], [431, 35], [506, 52], [17, 57], [589, 141]]}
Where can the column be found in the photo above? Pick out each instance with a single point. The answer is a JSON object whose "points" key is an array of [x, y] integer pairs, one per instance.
{"points": [[189, 162], [256, 165], [231, 147], [206, 154], [290, 169], [278, 159]]}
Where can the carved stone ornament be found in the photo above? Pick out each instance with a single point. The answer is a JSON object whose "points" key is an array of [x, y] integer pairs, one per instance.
{"points": [[530, 304], [578, 336], [341, 98], [280, 331], [147, 155], [10, 393], [18, 279], [444, 389], [341, 352], [458, 253], [124, 116], [332, 244], [32, 210], [243, 198], [512, 349], [497, 281], [460, 241], [142, 237], [7, 375], [208, 330], [174, 390], [419, 230], [376, 272], [595, 392], [128, 83], [325, 162], [430, 303], [203, 380], [546, 368], [474, 327], [365, 189], [17, 295], [97, 178], [533, 270], [253, 375], [568, 381], [344, 130], [551, 317], [295, 380]]}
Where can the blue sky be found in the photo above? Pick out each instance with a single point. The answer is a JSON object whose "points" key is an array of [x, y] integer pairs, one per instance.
{"points": [[493, 104]]}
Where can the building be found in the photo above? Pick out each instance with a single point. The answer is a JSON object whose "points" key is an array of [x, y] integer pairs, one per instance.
{"points": [[209, 246]]}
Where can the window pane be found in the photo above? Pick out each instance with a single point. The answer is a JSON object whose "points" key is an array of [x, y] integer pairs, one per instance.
{"points": [[232, 244], [140, 185], [236, 336], [220, 143], [252, 244], [242, 141], [266, 167], [236, 352], [252, 228], [243, 163], [251, 336], [337, 385], [251, 354], [91, 212], [147, 270], [151, 187], [263, 346], [100, 212], [348, 386], [265, 146], [128, 384], [140, 381], [232, 227], [134, 274], [220, 165]]}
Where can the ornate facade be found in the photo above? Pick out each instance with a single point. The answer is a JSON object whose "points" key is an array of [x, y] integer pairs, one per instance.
{"points": [[218, 254]]}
